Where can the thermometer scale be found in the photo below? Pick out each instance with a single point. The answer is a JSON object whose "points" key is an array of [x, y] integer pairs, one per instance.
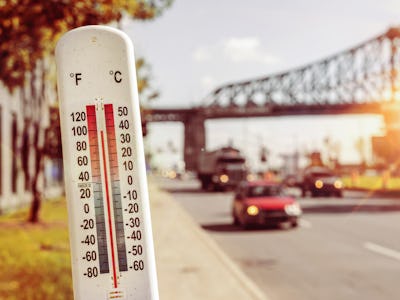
{"points": [[106, 187]]}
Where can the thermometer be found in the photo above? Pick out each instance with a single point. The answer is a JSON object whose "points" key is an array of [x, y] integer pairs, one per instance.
{"points": [[104, 169]]}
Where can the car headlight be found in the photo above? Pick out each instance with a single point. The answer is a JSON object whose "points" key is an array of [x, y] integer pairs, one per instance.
{"points": [[338, 184], [252, 210], [250, 177], [224, 178], [319, 184], [293, 209]]}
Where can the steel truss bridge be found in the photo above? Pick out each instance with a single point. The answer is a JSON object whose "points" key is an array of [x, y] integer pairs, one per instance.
{"points": [[363, 79]]}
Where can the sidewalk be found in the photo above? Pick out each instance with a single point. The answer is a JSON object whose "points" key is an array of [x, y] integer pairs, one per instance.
{"points": [[190, 265]]}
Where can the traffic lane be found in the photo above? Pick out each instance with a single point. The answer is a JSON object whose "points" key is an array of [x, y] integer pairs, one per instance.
{"points": [[213, 211], [320, 262], [370, 219], [331, 258], [326, 260], [214, 207]]}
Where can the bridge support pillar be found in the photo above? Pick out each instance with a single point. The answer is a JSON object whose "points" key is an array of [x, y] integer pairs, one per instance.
{"points": [[195, 141]]}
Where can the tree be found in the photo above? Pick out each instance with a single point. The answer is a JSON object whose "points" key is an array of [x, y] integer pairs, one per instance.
{"points": [[146, 92], [29, 30]]}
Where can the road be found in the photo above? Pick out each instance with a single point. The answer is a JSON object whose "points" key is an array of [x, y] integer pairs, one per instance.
{"points": [[345, 248]]}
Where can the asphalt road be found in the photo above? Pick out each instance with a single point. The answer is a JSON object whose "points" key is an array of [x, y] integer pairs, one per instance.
{"points": [[345, 248]]}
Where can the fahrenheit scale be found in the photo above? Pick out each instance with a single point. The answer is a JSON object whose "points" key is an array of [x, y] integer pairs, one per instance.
{"points": [[106, 187]]}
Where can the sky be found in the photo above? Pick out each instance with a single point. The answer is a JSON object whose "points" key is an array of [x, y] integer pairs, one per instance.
{"points": [[196, 46]]}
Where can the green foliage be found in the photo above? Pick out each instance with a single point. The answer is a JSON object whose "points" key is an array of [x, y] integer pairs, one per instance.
{"points": [[35, 259], [146, 91], [372, 183]]}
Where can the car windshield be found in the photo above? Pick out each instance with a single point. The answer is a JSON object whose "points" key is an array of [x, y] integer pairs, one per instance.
{"points": [[264, 190], [322, 174]]}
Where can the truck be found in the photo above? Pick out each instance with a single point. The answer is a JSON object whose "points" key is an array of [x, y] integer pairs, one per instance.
{"points": [[221, 169]]}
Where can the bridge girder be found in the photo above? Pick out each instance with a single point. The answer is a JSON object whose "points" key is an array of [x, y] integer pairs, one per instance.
{"points": [[367, 73]]}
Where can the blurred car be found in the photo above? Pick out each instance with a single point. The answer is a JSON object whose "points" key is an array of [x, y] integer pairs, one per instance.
{"points": [[290, 180], [264, 203], [321, 181]]}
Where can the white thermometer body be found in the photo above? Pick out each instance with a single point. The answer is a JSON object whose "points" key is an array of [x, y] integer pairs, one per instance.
{"points": [[104, 168]]}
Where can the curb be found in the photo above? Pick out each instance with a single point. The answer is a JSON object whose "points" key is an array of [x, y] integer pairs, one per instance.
{"points": [[251, 287]]}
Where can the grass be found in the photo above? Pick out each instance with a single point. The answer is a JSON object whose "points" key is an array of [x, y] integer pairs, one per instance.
{"points": [[35, 258], [373, 183]]}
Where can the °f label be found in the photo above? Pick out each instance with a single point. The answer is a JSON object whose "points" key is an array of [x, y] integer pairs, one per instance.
{"points": [[105, 179]]}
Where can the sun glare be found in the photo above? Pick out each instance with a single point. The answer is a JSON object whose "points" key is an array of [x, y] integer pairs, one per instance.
{"points": [[387, 95], [397, 96]]}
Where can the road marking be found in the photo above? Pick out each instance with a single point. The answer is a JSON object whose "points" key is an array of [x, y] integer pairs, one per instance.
{"points": [[304, 223], [382, 250]]}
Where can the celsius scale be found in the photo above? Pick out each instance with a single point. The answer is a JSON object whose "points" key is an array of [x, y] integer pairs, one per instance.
{"points": [[104, 168]]}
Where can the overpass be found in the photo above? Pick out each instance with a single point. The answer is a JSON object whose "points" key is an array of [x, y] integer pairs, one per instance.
{"points": [[363, 80]]}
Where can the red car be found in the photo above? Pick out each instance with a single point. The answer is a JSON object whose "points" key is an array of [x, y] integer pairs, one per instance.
{"points": [[264, 203]]}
